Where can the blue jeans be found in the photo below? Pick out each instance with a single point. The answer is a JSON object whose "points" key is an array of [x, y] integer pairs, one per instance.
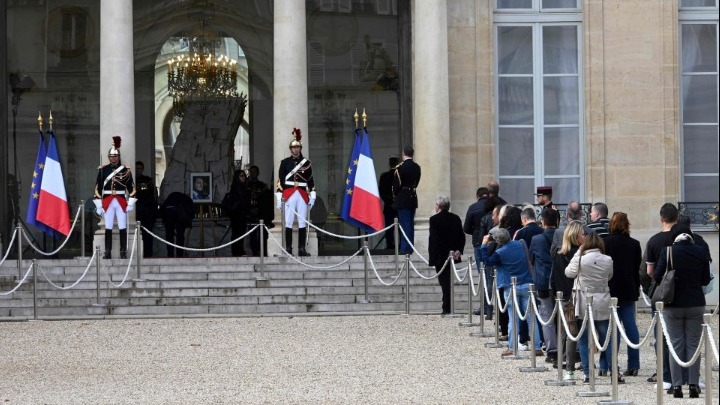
{"points": [[605, 357], [488, 280], [626, 313], [406, 219], [523, 297]]}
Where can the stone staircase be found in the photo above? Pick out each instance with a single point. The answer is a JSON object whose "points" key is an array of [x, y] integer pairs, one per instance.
{"points": [[218, 286]]}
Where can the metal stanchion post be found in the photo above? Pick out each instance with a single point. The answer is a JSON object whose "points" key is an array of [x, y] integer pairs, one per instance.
{"points": [[496, 311], [138, 250], [365, 300], [82, 228], [591, 358], [2, 246], [97, 275], [708, 361], [530, 314], [560, 382], [34, 269], [19, 260], [396, 234], [469, 321], [282, 217], [614, 353], [407, 284], [659, 342], [516, 322], [449, 268], [262, 251]]}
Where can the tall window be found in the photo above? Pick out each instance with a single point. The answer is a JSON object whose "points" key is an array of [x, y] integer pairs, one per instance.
{"points": [[699, 99], [539, 108]]}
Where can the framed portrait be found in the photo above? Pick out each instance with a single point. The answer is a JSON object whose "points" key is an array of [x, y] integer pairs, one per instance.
{"points": [[201, 187]]}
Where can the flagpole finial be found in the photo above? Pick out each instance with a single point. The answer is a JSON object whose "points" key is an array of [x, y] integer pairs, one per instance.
{"points": [[40, 120], [50, 120], [364, 117], [356, 117]]}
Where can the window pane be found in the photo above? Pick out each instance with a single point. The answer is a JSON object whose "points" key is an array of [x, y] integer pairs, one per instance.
{"points": [[515, 100], [565, 190], [562, 151], [560, 95], [701, 148], [699, 48], [700, 99], [517, 191], [701, 189], [698, 3], [559, 4], [506, 4], [515, 50], [516, 151], [560, 49]]}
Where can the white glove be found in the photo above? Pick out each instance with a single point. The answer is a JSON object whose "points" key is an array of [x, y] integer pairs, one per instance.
{"points": [[131, 204], [98, 206], [278, 200], [313, 195]]}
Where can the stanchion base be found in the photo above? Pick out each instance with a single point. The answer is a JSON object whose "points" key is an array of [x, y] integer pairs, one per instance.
{"points": [[261, 278], [35, 320], [135, 280], [98, 305], [585, 394], [468, 323], [482, 334], [364, 301], [615, 402], [533, 369], [492, 345], [516, 357], [715, 368], [559, 383], [452, 316]]}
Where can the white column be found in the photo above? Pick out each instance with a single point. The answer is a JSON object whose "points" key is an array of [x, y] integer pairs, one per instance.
{"points": [[117, 80], [290, 104], [431, 106]]}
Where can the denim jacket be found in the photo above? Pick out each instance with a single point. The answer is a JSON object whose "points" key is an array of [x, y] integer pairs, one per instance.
{"points": [[509, 261]]}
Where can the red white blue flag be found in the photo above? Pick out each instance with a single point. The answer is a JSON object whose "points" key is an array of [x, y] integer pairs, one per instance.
{"points": [[366, 206], [34, 198], [52, 209]]}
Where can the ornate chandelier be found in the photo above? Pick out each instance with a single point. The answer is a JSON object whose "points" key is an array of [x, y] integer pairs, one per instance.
{"points": [[200, 76]]}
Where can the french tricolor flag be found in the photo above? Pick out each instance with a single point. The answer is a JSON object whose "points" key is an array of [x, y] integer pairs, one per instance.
{"points": [[366, 206], [53, 207]]}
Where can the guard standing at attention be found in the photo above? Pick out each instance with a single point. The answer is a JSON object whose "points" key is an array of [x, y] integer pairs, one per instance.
{"points": [[405, 182], [544, 197], [114, 197], [296, 186]]}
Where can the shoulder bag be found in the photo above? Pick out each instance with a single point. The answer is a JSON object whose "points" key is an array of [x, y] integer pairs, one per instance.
{"points": [[665, 291], [569, 305]]}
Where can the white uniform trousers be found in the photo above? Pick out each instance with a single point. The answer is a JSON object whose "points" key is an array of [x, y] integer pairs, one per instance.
{"points": [[115, 210], [296, 203]]}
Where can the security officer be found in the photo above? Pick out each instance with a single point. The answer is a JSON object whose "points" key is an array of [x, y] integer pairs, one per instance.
{"points": [[544, 197], [114, 197], [147, 206], [296, 186], [405, 182]]}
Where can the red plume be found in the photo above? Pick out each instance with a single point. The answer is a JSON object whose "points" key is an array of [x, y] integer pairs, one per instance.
{"points": [[116, 141], [298, 135]]}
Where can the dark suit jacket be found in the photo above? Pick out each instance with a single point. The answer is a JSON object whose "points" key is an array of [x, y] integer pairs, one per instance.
{"points": [[627, 256], [446, 234], [405, 182]]}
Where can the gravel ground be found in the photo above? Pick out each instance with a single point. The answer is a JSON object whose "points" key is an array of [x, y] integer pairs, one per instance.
{"points": [[381, 359]]}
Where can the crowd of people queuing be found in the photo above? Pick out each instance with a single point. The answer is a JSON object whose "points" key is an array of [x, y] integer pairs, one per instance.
{"points": [[589, 257]]}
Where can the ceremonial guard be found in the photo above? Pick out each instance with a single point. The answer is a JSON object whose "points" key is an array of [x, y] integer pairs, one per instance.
{"points": [[544, 197], [147, 206], [296, 186], [404, 187], [114, 197]]}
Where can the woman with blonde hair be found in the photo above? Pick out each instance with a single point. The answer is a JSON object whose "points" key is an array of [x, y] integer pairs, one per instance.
{"points": [[625, 282], [592, 270], [572, 238]]}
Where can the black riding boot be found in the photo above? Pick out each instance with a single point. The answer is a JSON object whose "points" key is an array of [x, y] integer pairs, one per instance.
{"points": [[123, 243], [108, 243], [302, 237], [288, 240]]}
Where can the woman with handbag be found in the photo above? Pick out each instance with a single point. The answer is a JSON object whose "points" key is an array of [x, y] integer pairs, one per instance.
{"points": [[592, 269], [625, 282], [684, 315], [573, 236], [236, 203]]}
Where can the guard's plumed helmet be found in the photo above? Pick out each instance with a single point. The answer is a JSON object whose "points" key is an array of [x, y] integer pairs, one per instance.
{"points": [[115, 147], [296, 137]]}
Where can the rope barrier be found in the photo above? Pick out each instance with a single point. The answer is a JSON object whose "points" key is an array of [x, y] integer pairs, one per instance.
{"points": [[455, 271], [714, 348], [210, 249], [537, 311], [436, 275], [671, 348], [594, 332], [87, 268], [130, 259], [645, 297], [501, 308], [623, 335], [516, 305], [10, 246], [413, 246], [67, 238], [340, 236], [570, 336], [20, 283], [372, 264], [274, 239]]}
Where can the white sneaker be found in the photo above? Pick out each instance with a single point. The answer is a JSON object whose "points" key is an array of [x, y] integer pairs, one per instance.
{"points": [[701, 385], [666, 385], [522, 347], [569, 375]]}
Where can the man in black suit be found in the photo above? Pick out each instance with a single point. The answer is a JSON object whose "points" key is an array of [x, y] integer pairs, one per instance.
{"points": [[386, 194], [405, 182], [446, 235], [177, 212]]}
